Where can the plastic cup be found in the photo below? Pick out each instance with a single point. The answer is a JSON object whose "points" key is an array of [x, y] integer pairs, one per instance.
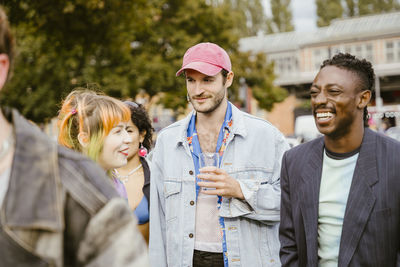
{"points": [[208, 159]]}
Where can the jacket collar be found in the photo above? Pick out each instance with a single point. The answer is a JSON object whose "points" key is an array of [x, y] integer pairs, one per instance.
{"points": [[237, 129], [309, 195], [33, 199]]}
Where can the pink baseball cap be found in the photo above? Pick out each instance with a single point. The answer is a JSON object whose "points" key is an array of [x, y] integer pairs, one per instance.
{"points": [[207, 58]]}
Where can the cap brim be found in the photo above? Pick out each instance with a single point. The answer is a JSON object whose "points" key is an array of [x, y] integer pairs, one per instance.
{"points": [[203, 67]]}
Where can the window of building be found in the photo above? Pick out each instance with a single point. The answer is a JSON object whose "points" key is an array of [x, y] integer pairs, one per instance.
{"points": [[280, 64], [390, 56], [369, 53], [289, 63], [398, 51], [358, 52], [319, 55], [285, 64]]}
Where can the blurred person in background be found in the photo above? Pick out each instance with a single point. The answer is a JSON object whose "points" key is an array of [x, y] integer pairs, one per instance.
{"points": [[341, 192], [236, 223], [135, 175], [57, 208]]}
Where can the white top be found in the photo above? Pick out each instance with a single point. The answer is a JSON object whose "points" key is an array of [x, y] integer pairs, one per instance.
{"points": [[208, 234], [337, 175], [4, 179]]}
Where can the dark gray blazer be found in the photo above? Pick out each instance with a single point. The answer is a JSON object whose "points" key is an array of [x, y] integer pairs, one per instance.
{"points": [[371, 226]]}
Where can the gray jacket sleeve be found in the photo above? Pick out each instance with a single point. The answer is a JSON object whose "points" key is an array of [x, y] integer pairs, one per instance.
{"points": [[109, 235], [112, 238]]}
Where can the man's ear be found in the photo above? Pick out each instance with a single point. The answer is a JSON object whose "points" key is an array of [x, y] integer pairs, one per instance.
{"points": [[4, 67], [365, 97], [229, 79], [83, 139]]}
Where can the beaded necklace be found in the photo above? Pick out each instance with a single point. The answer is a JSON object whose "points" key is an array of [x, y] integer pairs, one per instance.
{"points": [[125, 178]]}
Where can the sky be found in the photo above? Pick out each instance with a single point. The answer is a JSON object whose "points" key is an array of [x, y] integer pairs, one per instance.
{"points": [[304, 14]]}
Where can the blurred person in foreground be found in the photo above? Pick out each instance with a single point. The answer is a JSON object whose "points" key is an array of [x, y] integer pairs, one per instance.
{"points": [[341, 192], [57, 208], [236, 223], [135, 175]]}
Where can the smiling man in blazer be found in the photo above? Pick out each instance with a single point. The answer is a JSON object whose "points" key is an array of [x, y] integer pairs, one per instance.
{"points": [[341, 192]]}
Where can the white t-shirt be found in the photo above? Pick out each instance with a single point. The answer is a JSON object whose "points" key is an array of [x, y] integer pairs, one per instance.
{"points": [[4, 179], [337, 175], [208, 234]]}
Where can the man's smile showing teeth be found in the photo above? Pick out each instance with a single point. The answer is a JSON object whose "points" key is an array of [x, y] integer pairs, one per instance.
{"points": [[324, 116]]}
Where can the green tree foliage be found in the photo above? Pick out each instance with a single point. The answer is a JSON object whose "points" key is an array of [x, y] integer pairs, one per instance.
{"points": [[365, 7], [63, 44], [123, 46], [255, 73], [351, 8], [327, 10], [253, 16], [281, 16], [249, 16], [256, 15]]}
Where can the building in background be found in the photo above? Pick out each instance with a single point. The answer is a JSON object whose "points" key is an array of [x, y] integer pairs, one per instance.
{"points": [[298, 56]]}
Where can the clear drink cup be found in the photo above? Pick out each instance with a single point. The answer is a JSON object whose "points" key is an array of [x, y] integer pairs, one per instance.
{"points": [[208, 159]]}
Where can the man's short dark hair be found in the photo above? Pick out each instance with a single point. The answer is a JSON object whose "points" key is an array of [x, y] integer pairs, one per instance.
{"points": [[224, 73], [6, 38], [361, 67]]}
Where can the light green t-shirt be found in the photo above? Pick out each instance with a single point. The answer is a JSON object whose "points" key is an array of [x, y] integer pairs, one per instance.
{"points": [[337, 175]]}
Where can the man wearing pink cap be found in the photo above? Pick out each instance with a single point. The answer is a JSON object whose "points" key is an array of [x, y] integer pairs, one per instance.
{"points": [[223, 215]]}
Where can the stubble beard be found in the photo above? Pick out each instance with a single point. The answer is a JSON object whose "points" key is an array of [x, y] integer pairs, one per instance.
{"points": [[216, 101]]}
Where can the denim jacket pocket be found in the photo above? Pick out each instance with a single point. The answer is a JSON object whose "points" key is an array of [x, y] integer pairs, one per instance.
{"points": [[172, 189], [252, 177]]}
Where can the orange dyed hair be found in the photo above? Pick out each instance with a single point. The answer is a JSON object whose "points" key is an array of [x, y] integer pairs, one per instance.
{"points": [[85, 111]]}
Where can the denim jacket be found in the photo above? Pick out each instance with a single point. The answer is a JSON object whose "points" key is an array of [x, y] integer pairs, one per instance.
{"points": [[60, 209], [253, 157]]}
